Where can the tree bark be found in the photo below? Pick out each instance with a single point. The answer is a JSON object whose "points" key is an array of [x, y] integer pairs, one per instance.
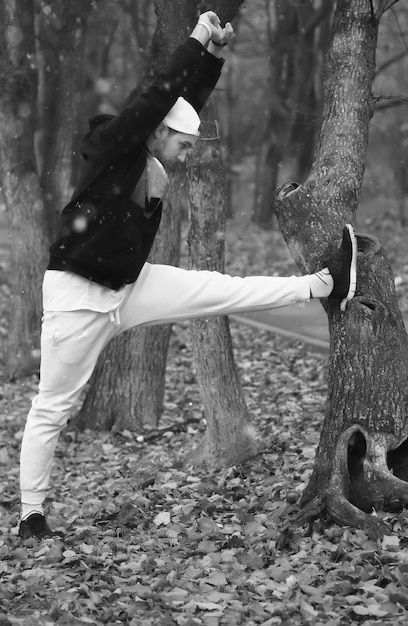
{"points": [[127, 387], [296, 40], [62, 33], [23, 157], [228, 438], [366, 419], [19, 181]]}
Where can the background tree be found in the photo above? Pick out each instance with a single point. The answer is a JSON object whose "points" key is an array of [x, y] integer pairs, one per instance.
{"points": [[127, 387], [61, 39], [19, 180], [364, 434], [112, 60], [391, 109], [30, 184], [228, 438], [296, 35]]}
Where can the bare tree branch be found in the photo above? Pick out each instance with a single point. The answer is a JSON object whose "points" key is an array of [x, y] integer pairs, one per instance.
{"points": [[390, 4], [379, 7], [391, 61], [381, 102]]}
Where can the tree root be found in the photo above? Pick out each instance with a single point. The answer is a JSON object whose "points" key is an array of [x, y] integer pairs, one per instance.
{"points": [[334, 506], [340, 510], [394, 489], [361, 483]]}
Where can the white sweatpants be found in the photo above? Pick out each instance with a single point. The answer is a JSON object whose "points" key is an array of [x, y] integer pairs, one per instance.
{"points": [[71, 342]]}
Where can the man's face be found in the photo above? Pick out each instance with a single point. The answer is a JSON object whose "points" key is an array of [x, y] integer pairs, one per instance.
{"points": [[174, 147]]}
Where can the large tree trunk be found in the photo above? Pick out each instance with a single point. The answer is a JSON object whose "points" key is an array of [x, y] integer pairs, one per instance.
{"points": [[366, 418], [228, 439], [19, 181], [21, 160], [127, 387]]}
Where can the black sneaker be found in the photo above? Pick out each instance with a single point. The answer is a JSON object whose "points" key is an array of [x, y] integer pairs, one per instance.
{"points": [[36, 526], [343, 268]]}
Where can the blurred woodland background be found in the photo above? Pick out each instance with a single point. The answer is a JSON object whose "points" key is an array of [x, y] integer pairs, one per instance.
{"points": [[268, 118], [268, 97], [269, 108], [268, 101], [63, 63]]}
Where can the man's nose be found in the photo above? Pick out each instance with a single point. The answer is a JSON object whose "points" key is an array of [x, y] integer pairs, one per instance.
{"points": [[181, 157]]}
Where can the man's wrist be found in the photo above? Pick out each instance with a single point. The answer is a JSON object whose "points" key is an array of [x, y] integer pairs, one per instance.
{"points": [[206, 26], [202, 32], [215, 50]]}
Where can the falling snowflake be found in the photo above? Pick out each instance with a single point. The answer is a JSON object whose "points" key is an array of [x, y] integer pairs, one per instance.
{"points": [[80, 224]]}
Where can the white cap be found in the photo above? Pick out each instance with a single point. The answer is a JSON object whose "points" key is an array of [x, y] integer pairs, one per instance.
{"points": [[183, 118]]}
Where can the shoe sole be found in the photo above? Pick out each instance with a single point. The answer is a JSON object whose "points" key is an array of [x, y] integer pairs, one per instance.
{"points": [[353, 269]]}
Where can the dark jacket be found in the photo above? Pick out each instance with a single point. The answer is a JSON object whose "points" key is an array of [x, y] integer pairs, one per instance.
{"points": [[105, 236]]}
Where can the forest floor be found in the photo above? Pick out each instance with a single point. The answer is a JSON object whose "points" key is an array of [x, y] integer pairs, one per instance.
{"points": [[152, 540]]}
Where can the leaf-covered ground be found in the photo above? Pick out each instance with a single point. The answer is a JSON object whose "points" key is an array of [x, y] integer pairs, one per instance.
{"points": [[153, 541]]}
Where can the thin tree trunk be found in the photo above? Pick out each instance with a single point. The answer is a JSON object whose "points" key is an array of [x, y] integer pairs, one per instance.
{"points": [[366, 415], [295, 41], [61, 47], [228, 134], [228, 438], [19, 181]]}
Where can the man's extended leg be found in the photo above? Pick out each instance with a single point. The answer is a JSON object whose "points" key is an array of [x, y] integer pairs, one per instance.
{"points": [[70, 345], [165, 294]]}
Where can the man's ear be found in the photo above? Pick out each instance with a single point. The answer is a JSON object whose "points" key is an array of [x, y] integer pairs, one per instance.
{"points": [[161, 131]]}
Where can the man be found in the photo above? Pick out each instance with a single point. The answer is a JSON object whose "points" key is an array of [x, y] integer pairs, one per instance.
{"points": [[98, 283]]}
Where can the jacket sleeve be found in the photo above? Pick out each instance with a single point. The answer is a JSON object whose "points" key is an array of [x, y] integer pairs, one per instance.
{"points": [[118, 135], [203, 81]]}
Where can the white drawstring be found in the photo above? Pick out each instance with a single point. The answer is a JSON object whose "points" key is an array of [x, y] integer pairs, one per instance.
{"points": [[114, 316]]}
